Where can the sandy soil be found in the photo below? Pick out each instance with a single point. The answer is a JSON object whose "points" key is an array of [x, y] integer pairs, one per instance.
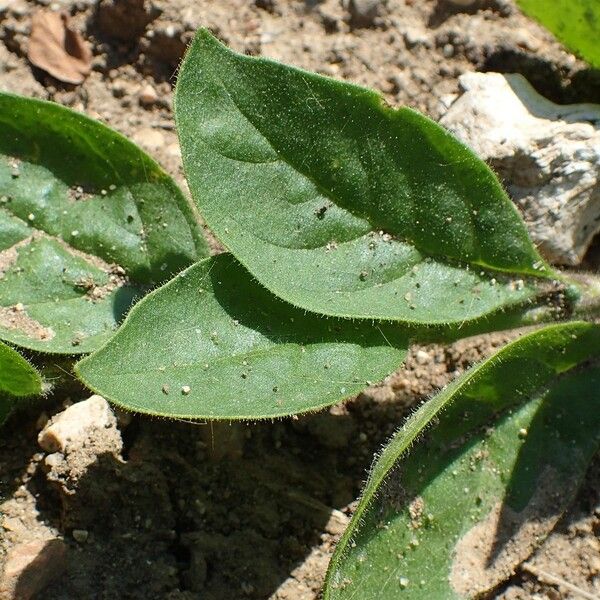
{"points": [[253, 511]]}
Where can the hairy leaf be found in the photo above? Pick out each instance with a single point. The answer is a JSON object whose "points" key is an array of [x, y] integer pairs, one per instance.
{"points": [[87, 220], [454, 515], [340, 204], [576, 23], [18, 379], [212, 343]]}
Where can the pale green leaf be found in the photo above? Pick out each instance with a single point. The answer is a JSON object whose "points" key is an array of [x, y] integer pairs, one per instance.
{"points": [[576, 23]]}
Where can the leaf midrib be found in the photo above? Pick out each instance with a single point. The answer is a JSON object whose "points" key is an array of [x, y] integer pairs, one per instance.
{"points": [[274, 348], [329, 195]]}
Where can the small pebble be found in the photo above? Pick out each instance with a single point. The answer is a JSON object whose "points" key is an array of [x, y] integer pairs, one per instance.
{"points": [[422, 357], [80, 535], [448, 52], [148, 96]]}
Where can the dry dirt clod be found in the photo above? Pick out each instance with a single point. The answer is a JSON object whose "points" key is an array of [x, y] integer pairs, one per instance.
{"points": [[30, 567], [148, 96], [71, 428], [547, 154], [337, 523], [55, 48], [149, 139], [85, 447]]}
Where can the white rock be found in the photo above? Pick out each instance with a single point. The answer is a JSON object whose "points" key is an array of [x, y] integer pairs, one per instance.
{"points": [[547, 155], [71, 428]]}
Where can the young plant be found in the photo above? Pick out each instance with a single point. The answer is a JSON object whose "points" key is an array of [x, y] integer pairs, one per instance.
{"points": [[353, 228]]}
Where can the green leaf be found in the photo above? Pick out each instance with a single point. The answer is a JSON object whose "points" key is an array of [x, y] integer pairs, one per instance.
{"points": [[212, 343], [452, 514], [18, 378], [87, 222], [338, 203], [576, 23]]}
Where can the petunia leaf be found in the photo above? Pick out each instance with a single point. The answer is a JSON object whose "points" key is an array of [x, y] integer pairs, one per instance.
{"points": [[344, 206], [478, 476], [213, 343], [18, 379], [87, 222]]}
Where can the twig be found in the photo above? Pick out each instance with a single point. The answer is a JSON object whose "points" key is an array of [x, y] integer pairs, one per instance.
{"points": [[546, 577]]}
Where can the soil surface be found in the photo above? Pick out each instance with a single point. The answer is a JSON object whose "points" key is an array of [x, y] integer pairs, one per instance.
{"points": [[190, 511]]}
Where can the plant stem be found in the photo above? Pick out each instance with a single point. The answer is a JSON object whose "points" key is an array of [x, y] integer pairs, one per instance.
{"points": [[577, 299], [588, 305]]}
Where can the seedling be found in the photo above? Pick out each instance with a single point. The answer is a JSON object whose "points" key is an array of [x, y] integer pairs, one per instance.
{"points": [[353, 228]]}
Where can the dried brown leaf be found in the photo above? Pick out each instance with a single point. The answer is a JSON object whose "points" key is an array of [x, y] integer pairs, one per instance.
{"points": [[57, 49]]}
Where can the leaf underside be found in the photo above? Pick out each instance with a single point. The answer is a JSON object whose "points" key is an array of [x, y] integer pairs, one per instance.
{"points": [[341, 205], [213, 343], [453, 516], [18, 379], [576, 23], [87, 222]]}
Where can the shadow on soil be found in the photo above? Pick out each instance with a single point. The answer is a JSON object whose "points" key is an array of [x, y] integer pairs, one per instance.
{"points": [[200, 511]]}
